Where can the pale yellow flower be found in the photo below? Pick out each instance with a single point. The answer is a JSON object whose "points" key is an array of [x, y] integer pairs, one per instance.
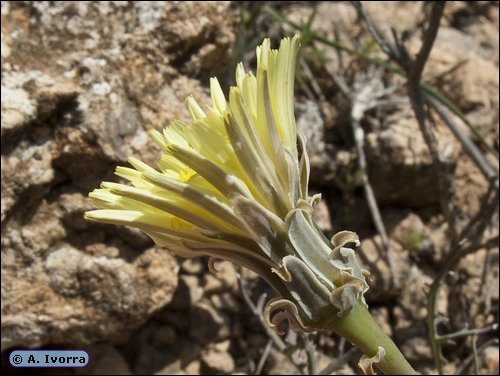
{"points": [[233, 185]]}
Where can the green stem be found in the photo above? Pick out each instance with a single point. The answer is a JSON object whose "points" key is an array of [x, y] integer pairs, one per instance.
{"points": [[359, 328]]}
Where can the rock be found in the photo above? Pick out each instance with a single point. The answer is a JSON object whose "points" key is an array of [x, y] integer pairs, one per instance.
{"points": [[476, 280], [173, 368], [490, 359], [208, 324], [21, 179], [151, 360], [417, 349], [188, 293], [224, 279], [311, 124], [225, 301], [186, 350], [321, 216], [400, 166], [163, 336], [402, 17], [104, 359], [277, 363], [217, 362], [409, 316], [374, 258], [409, 231], [161, 360], [470, 186], [472, 81], [193, 368], [179, 320], [381, 316], [78, 298], [82, 84], [193, 266]]}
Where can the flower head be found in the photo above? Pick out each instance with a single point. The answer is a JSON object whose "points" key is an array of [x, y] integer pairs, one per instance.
{"points": [[233, 185]]}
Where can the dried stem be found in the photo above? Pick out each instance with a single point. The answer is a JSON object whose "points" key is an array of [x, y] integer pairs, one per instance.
{"points": [[471, 234], [467, 361], [312, 80], [476, 355], [468, 332], [469, 147], [416, 88], [257, 311], [416, 99], [429, 37], [341, 361], [360, 103], [311, 354], [264, 356], [374, 31]]}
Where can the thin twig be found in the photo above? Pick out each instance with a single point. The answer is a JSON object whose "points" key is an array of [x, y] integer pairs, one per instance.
{"points": [[341, 361], [416, 99], [372, 28], [468, 332], [257, 311], [312, 80], [362, 100], [414, 79], [415, 88], [469, 147], [486, 288], [454, 68], [488, 244], [428, 40], [264, 356], [472, 232], [341, 346], [467, 361], [478, 223], [311, 354], [360, 103], [477, 367]]}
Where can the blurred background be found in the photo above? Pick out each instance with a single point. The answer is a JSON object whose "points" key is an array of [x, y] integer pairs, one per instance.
{"points": [[83, 83]]}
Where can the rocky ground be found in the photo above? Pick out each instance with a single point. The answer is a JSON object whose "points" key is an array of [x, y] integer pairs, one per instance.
{"points": [[83, 83]]}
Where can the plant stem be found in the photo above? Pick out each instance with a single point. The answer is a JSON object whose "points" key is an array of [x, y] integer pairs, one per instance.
{"points": [[359, 328]]}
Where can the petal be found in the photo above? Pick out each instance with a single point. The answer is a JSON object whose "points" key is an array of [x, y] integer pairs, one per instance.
{"points": [[260, 184], [167, 224], [227, 184], [281, 74], [266, 126], [171, 204], [196, 195], [293, 177], [267, 229], [195, 109], [218, 98]]}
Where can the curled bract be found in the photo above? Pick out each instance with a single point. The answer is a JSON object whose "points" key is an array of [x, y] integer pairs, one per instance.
{"points": [[279, 310], [366, 362]]}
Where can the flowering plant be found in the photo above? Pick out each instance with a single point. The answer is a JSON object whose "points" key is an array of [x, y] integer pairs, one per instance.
{"points": [[233, 185]]}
